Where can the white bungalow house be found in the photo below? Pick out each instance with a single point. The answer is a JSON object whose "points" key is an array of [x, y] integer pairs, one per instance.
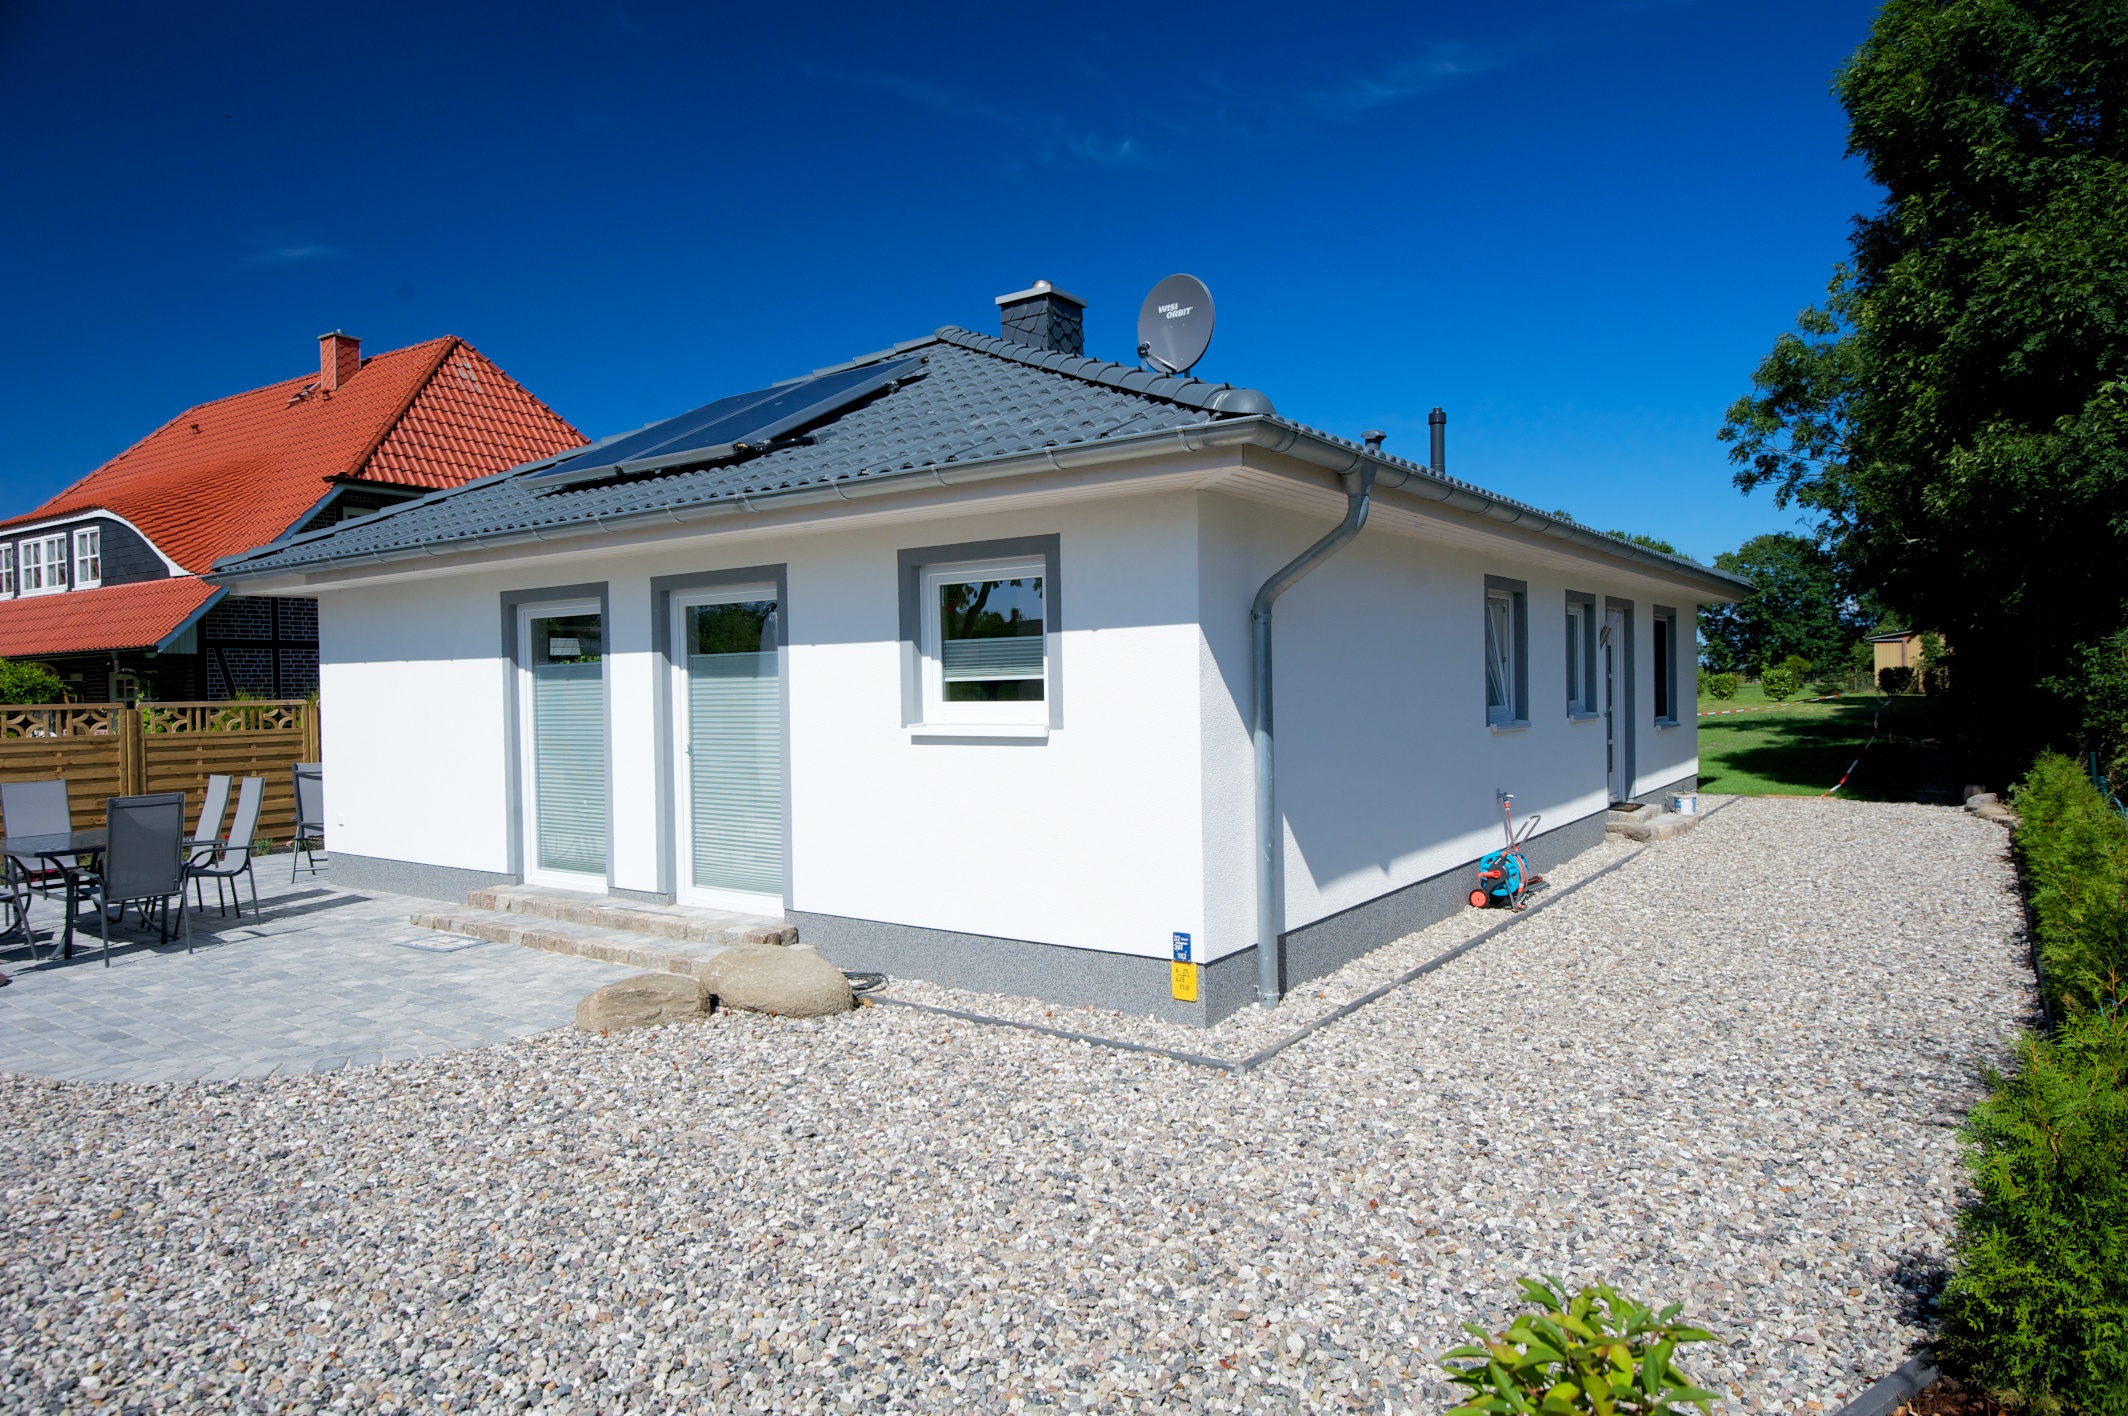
{"points": [[945, 656]]}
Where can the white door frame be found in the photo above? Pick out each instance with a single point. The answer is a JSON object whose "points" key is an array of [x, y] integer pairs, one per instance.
{"points": [[684, 888], [527, 746]]}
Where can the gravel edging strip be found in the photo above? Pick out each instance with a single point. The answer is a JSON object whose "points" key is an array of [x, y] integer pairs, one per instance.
{"points": [[1258, 1058], [1194, 1059], [1262, 1055], [1907, 1381]]}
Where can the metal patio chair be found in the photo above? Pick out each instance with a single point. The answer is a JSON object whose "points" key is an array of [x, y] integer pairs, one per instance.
{"points": [[143, 864], [232, 857], [208, 834], [310, 817], [38, 809]]}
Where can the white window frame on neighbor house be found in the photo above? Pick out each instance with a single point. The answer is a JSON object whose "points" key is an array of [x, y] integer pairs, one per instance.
{"points": [[1581, 657], [44, 565], [1506, 664], [1030, 716], [7, 571], [88, 558]]}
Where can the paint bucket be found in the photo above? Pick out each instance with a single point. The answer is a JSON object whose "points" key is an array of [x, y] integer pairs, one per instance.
{"points": [[1685, 803]]}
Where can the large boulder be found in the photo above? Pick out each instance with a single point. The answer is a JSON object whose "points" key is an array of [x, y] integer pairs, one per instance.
{"points": [[791, 983], [646, 1000]]}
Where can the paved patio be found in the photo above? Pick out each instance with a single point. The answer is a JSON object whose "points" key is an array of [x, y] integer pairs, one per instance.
{"points": [[317, 980]]}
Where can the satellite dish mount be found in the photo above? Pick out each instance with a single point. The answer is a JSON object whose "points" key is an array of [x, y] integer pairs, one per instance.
{"points": [[1175, 325]]}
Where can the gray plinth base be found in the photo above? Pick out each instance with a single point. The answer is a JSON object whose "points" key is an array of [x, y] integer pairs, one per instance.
{"points": [[1140, 986], [411, 877]]}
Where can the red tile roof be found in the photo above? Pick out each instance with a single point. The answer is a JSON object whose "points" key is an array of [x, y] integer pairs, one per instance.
{"points": [[236, 473], [114, 617]]}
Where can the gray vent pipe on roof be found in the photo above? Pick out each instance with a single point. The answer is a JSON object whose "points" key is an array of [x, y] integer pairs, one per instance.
{"points": [[1359, 486], [1437, 424]]}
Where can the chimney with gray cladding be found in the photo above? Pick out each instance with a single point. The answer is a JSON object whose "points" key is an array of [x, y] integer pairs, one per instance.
{"points": [[1045, 317]]}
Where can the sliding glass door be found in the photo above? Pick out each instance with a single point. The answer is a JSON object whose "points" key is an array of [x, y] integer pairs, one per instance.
{"points": [[728, 694], [562, 735]]}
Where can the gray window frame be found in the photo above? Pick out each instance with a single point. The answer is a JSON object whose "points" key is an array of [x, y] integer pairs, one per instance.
{"points": [[1588, 706], [909, 576], [1519, 656], [662, 589], [1664, 644], [514, 793]]}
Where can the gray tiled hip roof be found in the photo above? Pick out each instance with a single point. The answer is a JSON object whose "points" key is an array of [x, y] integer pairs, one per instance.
{"points": [[979, 399]]}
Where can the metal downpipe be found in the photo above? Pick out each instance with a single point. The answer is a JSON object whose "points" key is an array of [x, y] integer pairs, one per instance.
{"points": [[1359, 485]]}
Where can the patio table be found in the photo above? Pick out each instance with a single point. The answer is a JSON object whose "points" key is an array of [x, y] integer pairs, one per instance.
{"points": [[52, 846]]}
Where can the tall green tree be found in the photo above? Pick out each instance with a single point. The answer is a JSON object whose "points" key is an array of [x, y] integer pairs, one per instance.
{"points": [[1800, 606], [1956, 413]]}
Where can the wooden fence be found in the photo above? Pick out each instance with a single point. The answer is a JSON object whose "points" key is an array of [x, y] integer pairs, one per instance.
{"points": [[107, 749]]}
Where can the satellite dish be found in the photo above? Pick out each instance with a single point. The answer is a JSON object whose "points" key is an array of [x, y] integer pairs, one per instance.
{"points": [[1175, 324]]}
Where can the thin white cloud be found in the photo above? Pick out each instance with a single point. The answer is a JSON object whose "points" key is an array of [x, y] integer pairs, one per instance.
{"points": [[1055, 135], [290, 255]]}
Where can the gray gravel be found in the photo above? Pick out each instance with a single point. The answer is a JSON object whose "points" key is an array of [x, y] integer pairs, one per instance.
{"points": [[1725, 1074]]}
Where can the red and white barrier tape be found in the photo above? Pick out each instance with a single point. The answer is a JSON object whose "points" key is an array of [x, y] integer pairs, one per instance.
{"points": [[1767, 707]]}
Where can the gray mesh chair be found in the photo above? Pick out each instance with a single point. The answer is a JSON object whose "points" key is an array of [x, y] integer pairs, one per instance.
{"points": [[310, 817], [234, 858], [38, 809], [143, 864], [208, 834]]}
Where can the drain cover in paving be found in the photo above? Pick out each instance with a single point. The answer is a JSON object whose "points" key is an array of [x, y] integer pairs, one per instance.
{"points": [[440, 943]]}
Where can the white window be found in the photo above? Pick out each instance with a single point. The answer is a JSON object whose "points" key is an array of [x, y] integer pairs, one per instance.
{"points": [[7, 571], [55, 560], [1506, 653], [32, 567], [88, 558], [985, 643]]}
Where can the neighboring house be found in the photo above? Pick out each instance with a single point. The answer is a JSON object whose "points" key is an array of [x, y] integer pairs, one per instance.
{"points": [[1899, 649], [945, 655], [102, 581]]}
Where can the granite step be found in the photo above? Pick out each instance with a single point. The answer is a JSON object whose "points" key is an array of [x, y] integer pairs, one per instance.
{"points": [[689, 923], [649, 952]]}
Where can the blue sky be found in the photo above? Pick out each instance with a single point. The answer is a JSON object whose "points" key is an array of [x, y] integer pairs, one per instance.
{"points": [[1575, 226]]}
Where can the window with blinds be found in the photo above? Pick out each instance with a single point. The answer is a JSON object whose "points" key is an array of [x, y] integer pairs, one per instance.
{"points": [[568, 742], [986, 644], [734, 747]]}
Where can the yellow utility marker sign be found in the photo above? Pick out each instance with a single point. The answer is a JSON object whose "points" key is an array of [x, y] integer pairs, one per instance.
{"points": [[1182, 974]]}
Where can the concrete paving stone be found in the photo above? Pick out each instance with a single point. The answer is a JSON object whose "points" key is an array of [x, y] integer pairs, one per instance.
{"points": [[310, 978]]}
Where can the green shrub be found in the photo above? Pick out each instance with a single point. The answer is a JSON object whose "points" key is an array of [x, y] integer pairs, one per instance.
{"points": [[2074, 849], [2037, 1302], [1780, 683], [1896, 678], [1598, 1351], [1723, 686], [29, 683], [1800, 665]]}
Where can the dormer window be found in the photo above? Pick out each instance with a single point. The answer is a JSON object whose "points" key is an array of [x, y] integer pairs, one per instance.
{"points": [[44, 564], [7, 572], [88, 558]]}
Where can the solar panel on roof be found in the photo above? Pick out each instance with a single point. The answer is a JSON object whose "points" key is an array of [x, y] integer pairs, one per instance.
{"points": [[717, 430]]}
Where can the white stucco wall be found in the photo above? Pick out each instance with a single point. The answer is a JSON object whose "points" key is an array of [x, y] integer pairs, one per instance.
{"points": [[1133, 819], [1087, 839], [1386, 766]]}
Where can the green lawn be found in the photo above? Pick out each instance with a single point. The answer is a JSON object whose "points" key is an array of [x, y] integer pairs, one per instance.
{"points": [[1800, 749]]}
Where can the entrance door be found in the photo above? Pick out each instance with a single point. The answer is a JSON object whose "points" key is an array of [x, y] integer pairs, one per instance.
{"points": [[1611, 651], [562, 718], [728, 708]]}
